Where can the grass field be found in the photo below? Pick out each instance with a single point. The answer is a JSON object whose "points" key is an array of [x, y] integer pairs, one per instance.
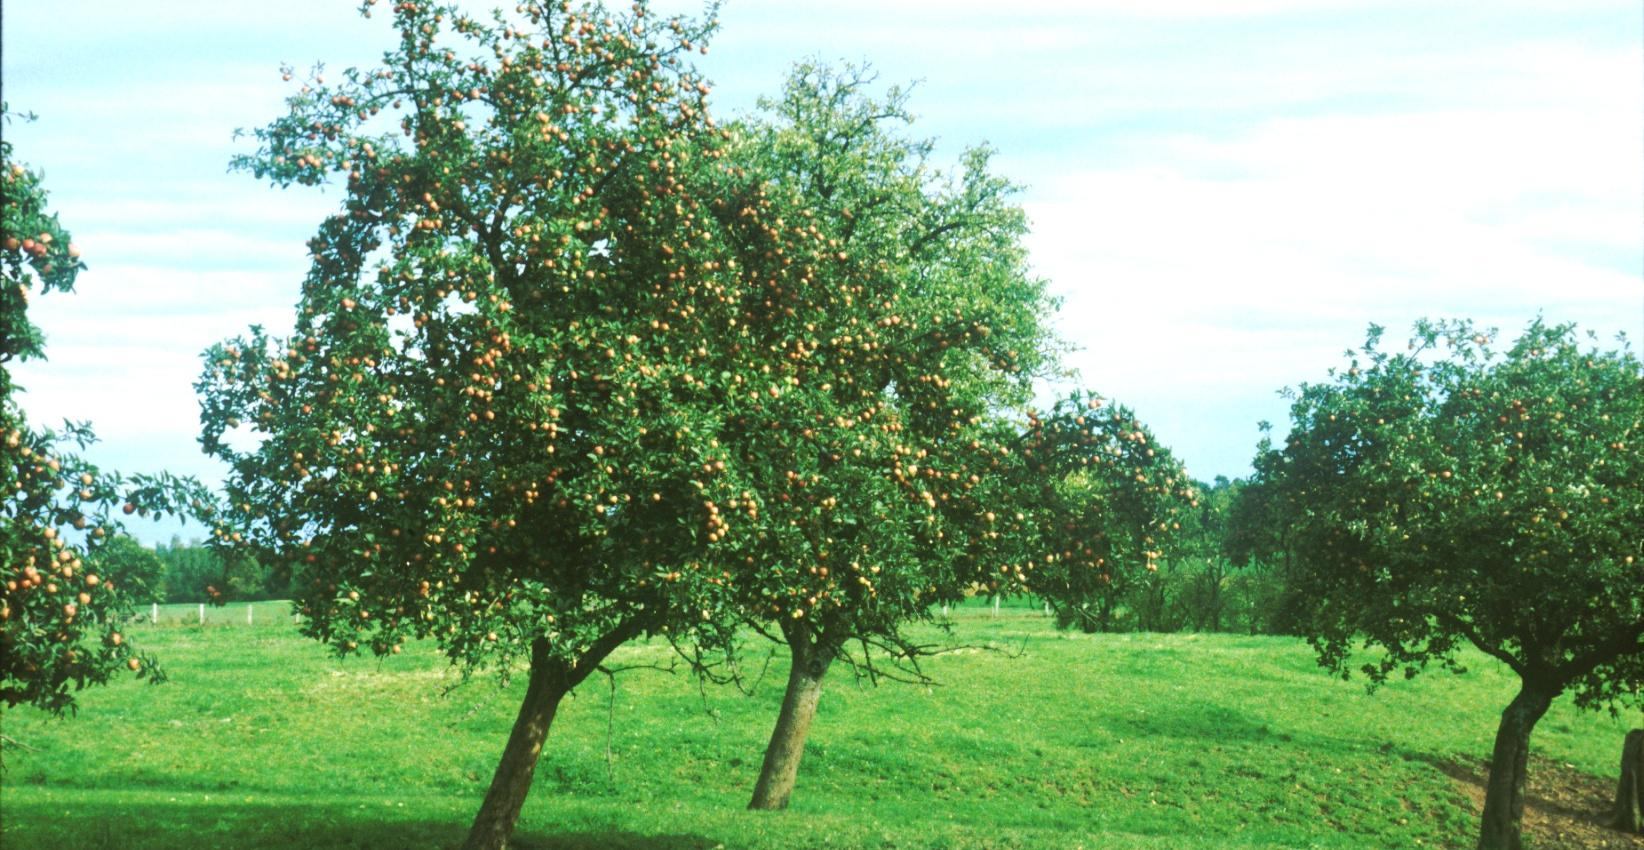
{"points": [[262, 740]]}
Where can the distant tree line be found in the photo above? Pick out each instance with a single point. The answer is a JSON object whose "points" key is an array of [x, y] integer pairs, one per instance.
{"points": [[187, 572]]}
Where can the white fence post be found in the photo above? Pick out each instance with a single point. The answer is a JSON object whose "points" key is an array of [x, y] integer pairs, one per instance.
{"points": [[202, 613], [154, 612], [995, 606], [248, 613]]}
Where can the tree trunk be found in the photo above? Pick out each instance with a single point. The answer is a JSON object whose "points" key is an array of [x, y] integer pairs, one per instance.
{"points": [[551, 679], [1629, 792], [811, 657], [1504, 795], [1216, 599], [512, 781]]}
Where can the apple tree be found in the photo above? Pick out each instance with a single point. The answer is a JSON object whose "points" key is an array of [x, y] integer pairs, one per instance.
{"points": [[883, 318], [62, 607], [1105, 502], [494, 422], [1458, 494]]}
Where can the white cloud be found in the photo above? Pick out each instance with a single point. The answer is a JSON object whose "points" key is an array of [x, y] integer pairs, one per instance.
{"points": [[1211, 269], [193, 247], [123, 350]]}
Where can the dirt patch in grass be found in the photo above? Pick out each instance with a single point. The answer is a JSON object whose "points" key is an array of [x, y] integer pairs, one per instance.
{"points": [[1564, 808]]}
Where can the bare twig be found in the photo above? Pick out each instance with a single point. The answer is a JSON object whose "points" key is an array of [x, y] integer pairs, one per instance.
{"points": [[610, 673], [763, 669], [904, 656], [610, 726], [10, 741]]}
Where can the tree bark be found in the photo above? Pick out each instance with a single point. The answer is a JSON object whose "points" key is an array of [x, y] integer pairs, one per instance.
{"points": [[1504, 795], [1216, 577], [811, 657], [1629, 791], [551, 679], [512, 781]]}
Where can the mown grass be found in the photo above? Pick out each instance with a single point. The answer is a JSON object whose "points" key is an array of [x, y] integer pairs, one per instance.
{"points": [[262, 740]]}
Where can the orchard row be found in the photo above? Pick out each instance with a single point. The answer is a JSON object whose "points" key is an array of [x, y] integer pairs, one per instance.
{"points": [[574, 363]]}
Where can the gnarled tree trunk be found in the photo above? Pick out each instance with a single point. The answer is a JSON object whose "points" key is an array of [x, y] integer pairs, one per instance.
{"points": [[811, 656], [551, 679], [1629, 791], [1504, 796], [512, 781]]}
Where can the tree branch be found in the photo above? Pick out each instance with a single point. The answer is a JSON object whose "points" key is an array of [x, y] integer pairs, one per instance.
{"points": [[1627, 642]]}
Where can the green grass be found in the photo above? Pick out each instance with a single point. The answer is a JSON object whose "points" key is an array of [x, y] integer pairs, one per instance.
{"points": [[261, 740]]}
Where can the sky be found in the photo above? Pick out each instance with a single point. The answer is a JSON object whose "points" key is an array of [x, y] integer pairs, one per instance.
{"points": [[1223, 193]]}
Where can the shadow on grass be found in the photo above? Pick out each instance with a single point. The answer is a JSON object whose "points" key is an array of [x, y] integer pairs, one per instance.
{"points": [[156, 822], [1203, 720], [611, 841], [1564, 808]]}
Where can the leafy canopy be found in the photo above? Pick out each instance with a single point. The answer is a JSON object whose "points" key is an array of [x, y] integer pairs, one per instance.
{"points": [[494, 422], [1104, 502], [1455, 493], [881, 323]]}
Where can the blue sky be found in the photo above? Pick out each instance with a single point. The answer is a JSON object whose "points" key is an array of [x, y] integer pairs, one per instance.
{"points": [[1223, 193]]}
